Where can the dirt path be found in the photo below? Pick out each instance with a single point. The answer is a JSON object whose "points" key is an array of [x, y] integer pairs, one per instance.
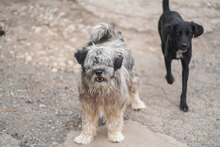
{"points": [[38, 90]]}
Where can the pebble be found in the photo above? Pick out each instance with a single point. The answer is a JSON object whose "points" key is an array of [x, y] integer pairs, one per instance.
{"points": [[54, 143], [41, 53], [47, 59], [71, 28], [28, 58], [28, 101], [42, 106], [73, 40], [80, 26], [55, 64], [70, 62], [61, 14], [208, 4], [8, 39], [68, 47], [54, 70], [62, 64], [37, 29]]}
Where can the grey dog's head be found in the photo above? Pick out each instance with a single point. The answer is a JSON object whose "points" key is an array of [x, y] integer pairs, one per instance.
{"points": [[99, 65]]}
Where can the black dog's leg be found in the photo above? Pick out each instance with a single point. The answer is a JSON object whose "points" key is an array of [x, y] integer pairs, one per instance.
{"points": [[169, 75], [185, 74]]}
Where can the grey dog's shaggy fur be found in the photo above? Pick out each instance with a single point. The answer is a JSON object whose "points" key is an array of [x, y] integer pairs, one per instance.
{"points": [[107, 81]]}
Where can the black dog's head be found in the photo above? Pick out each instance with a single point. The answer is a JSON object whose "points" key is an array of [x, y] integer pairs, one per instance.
{"points": [[182, 33]]}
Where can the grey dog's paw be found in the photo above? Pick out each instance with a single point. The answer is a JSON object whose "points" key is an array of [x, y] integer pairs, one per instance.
{"points": [[116, 137], [138, 105], [83, 139]]}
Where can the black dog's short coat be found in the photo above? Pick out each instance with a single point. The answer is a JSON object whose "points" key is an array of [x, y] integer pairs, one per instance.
{"points": [[176, 35]]}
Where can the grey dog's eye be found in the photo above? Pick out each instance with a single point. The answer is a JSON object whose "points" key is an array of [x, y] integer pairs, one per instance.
{"points": [[87, 68]]}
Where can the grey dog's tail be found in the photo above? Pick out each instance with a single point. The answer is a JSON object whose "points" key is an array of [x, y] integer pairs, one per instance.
{"points": [[102, 32], [166, 5]]}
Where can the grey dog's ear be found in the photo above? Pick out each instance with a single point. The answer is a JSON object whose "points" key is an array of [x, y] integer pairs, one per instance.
{"points": [[197, 29], [118, 62], [80, 55]]}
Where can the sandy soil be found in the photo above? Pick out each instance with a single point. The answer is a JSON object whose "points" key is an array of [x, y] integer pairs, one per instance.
{"points": [[38, 73]]}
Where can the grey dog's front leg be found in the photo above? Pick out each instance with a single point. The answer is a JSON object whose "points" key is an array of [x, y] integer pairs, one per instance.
{"points": [[89, 123]]}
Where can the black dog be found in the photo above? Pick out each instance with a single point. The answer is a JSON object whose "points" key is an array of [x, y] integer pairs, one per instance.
{"points": [[176, 35]]}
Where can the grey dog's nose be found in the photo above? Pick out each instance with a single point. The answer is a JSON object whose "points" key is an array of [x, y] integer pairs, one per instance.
{"points": [[98, 72], [184, 45]]}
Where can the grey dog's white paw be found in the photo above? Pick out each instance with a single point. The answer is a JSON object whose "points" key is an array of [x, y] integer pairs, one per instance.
{"points": [[138, 105], [116, 137], [83, 139]]}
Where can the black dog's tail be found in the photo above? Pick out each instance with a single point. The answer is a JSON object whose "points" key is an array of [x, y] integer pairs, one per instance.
{"points": [[166, 5]]}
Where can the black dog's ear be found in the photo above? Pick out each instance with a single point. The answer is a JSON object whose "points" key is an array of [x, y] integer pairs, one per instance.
{"points": [[80, 55], [197, 29], [118, 62], [170, 29]]}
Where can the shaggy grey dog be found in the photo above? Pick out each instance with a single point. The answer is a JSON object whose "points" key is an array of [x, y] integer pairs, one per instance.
{"points": [[108, 81]]}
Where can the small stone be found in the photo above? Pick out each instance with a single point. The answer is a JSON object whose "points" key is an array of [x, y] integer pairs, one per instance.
{"points": [[70, 62], [54, 143], [37, 29], [61, 14], [42, 106], [28, 101], [55, 64], [71, 28], [72, 39], [11, 52], [54, 70], [28, 58], [62, 64], [80, 26], [209, 4]]}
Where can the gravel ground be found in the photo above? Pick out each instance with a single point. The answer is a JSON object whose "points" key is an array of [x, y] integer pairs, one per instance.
{"points": [[38, 74]]}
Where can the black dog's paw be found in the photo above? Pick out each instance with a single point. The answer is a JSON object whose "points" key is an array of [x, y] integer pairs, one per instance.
{"points": [[170, 79], [184, 107]]}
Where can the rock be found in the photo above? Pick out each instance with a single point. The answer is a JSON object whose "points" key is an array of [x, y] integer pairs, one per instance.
{"points": [[70, 62], [28, 58], [54, 70], [71, 28], [136, 135], [42, 105]]}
